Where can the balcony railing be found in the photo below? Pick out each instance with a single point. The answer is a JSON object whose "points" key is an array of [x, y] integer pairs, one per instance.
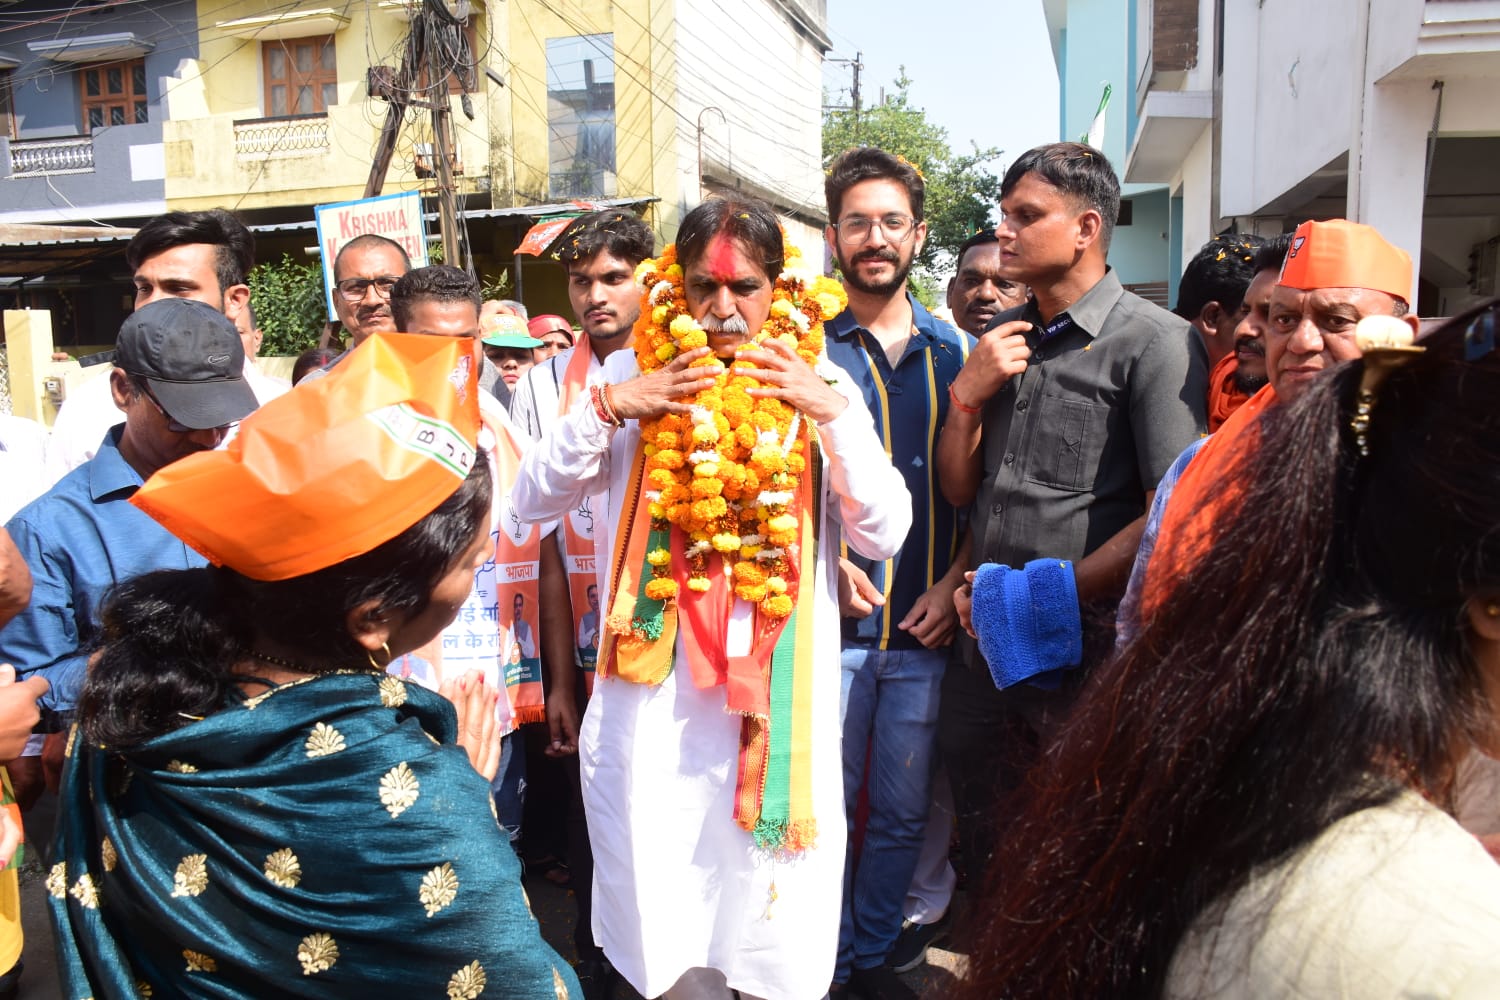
{"points": [[281, 138], [40, 157]]}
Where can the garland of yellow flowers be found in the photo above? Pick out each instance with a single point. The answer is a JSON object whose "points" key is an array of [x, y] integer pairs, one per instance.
{"points": [[726, 473]]}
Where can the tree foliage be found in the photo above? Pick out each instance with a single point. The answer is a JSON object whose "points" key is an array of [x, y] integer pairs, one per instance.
{"points": [[289, 305], [961, 189]]}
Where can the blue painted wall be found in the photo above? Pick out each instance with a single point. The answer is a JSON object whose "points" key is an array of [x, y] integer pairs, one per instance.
{"points": [[45, 103], [1098, 45]]}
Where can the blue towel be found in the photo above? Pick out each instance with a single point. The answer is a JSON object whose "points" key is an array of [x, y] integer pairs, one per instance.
{"points": [[1027, 621]]}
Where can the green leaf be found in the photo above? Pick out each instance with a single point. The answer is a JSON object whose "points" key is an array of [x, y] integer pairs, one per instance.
{"points": [[289, 305]]}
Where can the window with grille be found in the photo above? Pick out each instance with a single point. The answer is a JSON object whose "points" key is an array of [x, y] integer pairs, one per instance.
{"points": [[113, 94], [301, 76]]}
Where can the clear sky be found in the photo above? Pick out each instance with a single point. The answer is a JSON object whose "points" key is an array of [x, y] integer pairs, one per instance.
{"points": [[982, 69]]}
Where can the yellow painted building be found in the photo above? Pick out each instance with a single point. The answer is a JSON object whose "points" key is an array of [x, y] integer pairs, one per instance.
{"points": [[276, 110], [699, 98], [657, 103]]}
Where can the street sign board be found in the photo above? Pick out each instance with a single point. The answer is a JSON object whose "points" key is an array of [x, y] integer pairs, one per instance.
{"points": [[397, 217]]}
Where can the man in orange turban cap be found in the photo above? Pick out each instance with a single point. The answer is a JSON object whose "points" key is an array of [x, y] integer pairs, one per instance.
{"points": [[1336, 273]]}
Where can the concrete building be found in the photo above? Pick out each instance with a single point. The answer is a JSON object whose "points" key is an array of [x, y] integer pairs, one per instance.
{"points": [[1258, 116], [271, 108], [1093, 43], [698, 98]]}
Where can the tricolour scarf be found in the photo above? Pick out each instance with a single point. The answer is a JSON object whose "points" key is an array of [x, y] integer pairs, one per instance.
{"points": [[770, 688]]}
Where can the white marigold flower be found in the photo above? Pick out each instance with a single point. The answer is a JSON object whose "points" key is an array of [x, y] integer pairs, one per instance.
{"points": [[699, 457], [774, 498], [767, 437], [769, 555], [653, 496], [698, 548], [702, 415], [750, 541], [800, 318], [661, 292]]}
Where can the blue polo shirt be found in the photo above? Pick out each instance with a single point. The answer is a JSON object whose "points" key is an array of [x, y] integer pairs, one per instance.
{"points": [[79, 539], [909, 403]]}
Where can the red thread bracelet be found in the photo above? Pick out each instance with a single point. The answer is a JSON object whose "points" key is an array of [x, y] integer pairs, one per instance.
{"points": [[959, 404]]}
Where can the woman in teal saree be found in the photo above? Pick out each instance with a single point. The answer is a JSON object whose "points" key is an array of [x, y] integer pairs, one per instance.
{"points": [[251, 806]]}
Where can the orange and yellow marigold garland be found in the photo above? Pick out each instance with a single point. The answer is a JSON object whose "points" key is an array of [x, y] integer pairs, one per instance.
{"points": [[726, 473]]}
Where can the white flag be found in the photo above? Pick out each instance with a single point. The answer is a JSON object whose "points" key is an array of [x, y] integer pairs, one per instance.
{"points": [[1095, 135]]}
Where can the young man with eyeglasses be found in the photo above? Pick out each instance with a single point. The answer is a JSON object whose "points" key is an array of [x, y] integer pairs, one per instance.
{"points": [[179, 379], [898, 613]]}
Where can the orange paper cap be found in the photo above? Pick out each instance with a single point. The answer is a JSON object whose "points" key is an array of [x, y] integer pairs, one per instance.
{"points": [[1344, 254], [333, 468]]}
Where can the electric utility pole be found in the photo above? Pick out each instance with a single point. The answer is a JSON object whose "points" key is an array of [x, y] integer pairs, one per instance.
{"points": [[436, 49]]}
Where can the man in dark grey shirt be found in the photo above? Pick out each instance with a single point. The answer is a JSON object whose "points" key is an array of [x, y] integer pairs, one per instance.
{"points": [[1067, 414]]}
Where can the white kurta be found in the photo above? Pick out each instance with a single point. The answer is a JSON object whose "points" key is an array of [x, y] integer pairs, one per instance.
{"points": [[677, 885], [1390, 903]]}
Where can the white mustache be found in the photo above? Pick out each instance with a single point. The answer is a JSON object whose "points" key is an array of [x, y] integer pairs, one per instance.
{"points": [[734, 324]]}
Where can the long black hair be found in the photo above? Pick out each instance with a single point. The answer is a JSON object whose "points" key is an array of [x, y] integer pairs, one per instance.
{"points": [[171, 639], [1316, 662]]}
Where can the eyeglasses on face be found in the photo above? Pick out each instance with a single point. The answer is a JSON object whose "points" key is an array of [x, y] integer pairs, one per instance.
{"points": [[353, 289], [856, 228], [173, 425]]}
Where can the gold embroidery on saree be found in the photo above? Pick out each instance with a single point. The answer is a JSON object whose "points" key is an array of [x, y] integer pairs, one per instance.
{"points": [[317, 953], [86, 892], [398, 789], [467, 983], [283, 868], [392, 692], [324, 740], [439, 888], [191, 877]]}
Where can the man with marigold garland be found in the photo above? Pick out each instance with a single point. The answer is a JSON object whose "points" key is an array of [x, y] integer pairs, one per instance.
{"points": [[735, 458], [899, 616]]}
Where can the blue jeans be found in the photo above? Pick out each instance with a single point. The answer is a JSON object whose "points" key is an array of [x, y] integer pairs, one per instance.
{"points": [[890, 707], [509, 785]]}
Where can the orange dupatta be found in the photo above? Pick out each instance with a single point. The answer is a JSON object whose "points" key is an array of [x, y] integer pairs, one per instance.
{"points": [[1224, 394], [1211, 484]]}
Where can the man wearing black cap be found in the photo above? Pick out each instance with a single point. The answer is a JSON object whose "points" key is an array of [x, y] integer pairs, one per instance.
{"points": [[179, 378]]}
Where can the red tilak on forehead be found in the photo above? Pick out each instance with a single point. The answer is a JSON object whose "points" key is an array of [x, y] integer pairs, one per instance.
{"points": [[723, 258]]}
